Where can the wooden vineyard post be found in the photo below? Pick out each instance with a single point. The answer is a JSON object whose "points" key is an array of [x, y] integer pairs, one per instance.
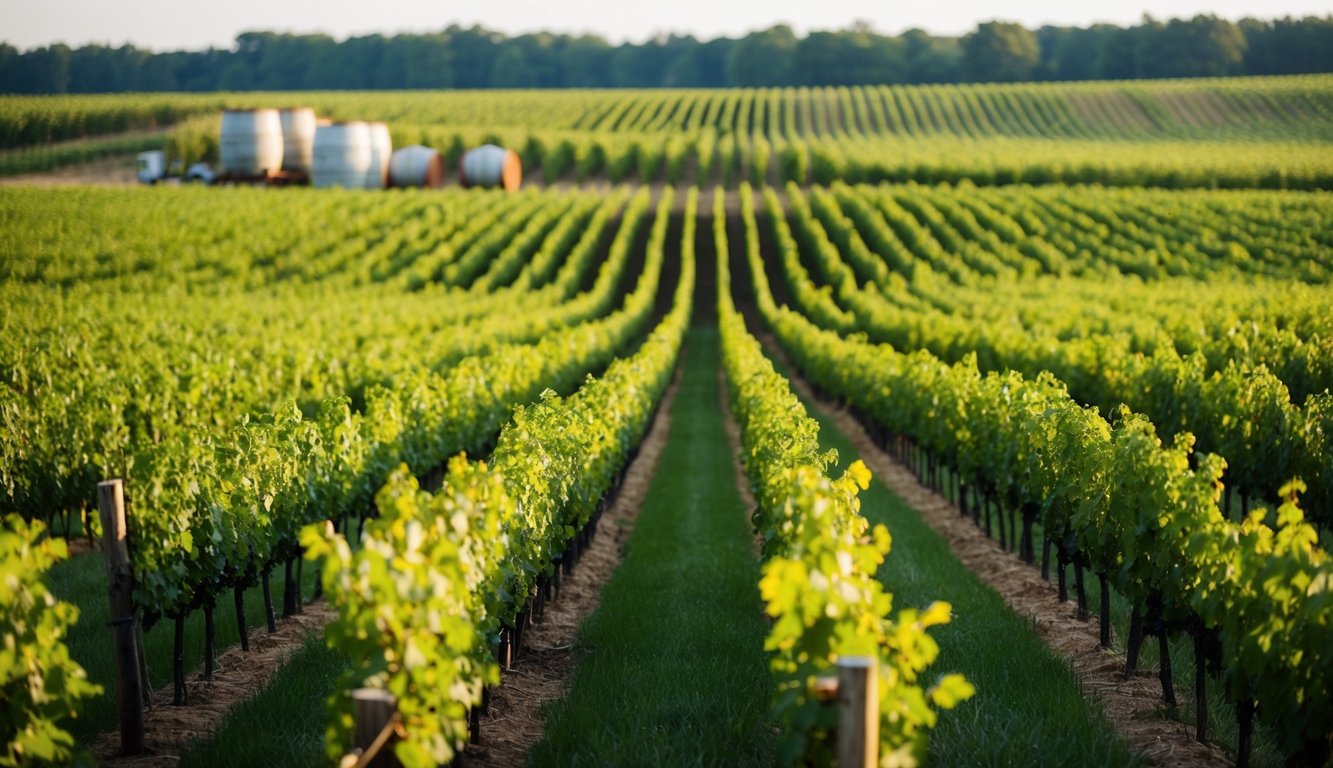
{"points": [[858, 712], [376, 713], [120, 590]]}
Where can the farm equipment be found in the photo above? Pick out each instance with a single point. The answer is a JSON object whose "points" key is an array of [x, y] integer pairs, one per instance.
{"points": [[152, 167]]}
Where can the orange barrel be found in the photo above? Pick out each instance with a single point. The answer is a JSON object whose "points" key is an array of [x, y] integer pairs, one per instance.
{"points": [[416, 166], [491, 166]]}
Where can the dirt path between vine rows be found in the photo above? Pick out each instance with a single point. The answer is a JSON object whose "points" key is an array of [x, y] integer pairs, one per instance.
{"points": [[1130, 704], [542, 672], [169, 731]]}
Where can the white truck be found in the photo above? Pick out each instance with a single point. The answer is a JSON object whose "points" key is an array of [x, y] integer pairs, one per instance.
{"points": [[152, 168]]}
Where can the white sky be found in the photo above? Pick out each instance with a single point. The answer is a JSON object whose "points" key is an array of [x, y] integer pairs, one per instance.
{"points": [[195, 24]]}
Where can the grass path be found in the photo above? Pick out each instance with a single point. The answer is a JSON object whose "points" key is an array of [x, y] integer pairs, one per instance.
{"points": [[1028, 709], [284, 723], [671, 669], [82, 580]]}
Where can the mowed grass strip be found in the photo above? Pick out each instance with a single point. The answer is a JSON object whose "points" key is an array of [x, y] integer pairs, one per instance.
{"points": [[671, 668], [1028, 709], [284, 724], [81, 580]]}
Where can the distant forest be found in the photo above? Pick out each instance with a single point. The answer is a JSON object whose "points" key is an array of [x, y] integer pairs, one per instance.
{"points": [[475, 57]]}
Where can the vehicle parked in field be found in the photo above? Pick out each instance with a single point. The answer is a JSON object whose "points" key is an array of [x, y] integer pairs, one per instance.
{"points": [[152, 167]]}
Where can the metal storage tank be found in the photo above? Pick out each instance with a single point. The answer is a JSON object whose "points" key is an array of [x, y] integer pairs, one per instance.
{"points": [[298, 138], [381, 147], [251, 141], [416, 166], [341, 155], [490, 166]]}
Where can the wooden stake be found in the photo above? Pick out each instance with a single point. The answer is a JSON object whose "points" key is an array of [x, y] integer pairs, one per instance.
{"points": [[120, 592], [858, 712], [374, 711]]}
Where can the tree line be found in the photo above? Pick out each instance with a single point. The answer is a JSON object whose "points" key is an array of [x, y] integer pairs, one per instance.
{"points": [[475, 57]]}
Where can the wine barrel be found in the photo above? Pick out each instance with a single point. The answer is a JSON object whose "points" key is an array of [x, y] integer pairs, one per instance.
{"points": [[381, 148], [341, 156], [298, 138], [416, 166], [490, 166], [251, 141]]}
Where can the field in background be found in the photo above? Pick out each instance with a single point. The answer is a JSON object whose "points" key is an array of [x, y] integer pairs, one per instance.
{"points": [[1250, 132]]}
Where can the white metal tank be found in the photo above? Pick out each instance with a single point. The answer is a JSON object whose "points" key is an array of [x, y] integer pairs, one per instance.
{"points": [[381, 148], [251, 141], [416, 166], [490, 166], [298, 138], [341, 155]]}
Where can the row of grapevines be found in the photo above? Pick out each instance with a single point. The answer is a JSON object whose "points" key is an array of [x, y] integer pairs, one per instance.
{"points": [[1110, 494], [1248, 132], [1270, 318], [821, 557], [215, 507], [434, 577], [1234, 109], [915, 133], [40, 158], [935, 158], [1240, 109], [212, 509], [1240, 410], [87, 395], [29, 120]]}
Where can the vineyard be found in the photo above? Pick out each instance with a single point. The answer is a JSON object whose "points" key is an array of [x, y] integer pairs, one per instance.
{"points": [[1088, 321], [1244, 133]]}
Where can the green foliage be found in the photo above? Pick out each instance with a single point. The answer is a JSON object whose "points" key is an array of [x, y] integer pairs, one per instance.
{"points": [[220, 481], [1223, 346], [1000, 51], [40, 685], [435, 576], [1270, 590], [193, 141], [686, 588], [479, 58], [47, 157], [821, 558], [411, 616], [1143, 512], [1230, 133]]}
